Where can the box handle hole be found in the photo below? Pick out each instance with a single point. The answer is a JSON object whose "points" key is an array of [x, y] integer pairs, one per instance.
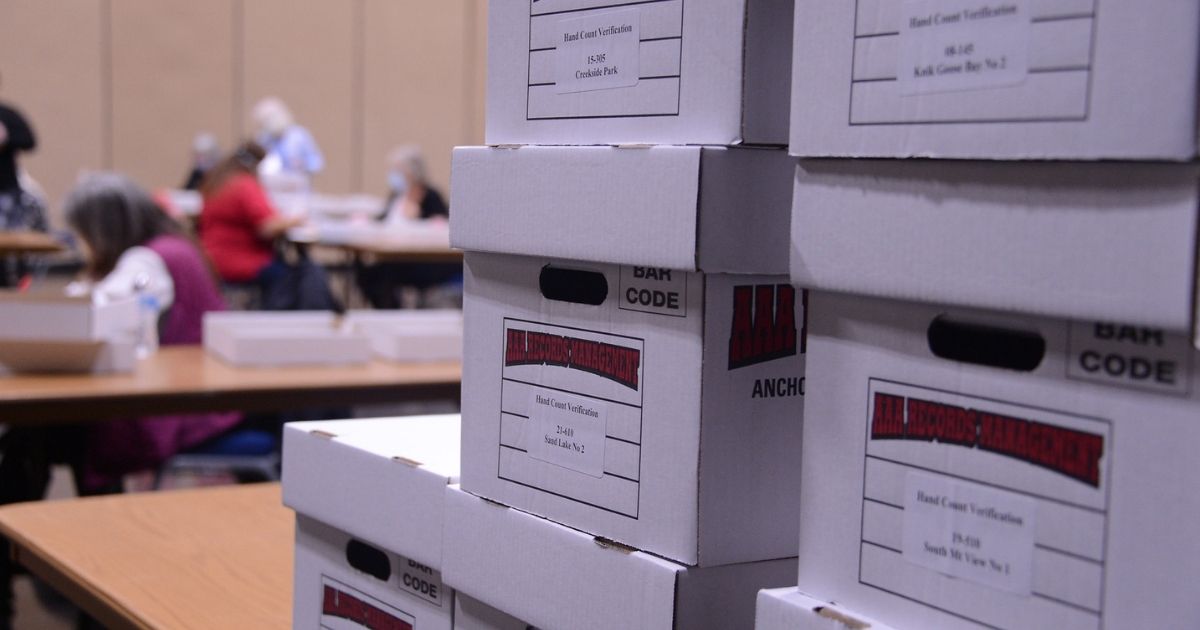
{"points": [[982, 344], [573, 285], [369, 560]]}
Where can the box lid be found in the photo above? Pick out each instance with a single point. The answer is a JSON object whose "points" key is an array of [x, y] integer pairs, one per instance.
{"points": [[1083, 80], [553, 576], [1091, 241], [50, 315], [550, 575], [706, 73], [678, 207], [382, 480]]}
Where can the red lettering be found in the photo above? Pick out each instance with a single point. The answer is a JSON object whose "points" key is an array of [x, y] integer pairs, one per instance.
{"points": [[763, 326], [1073, 453], [764, 315], [888, 419], [338, 604], [942, 423], [515, 353], [741, 337]]}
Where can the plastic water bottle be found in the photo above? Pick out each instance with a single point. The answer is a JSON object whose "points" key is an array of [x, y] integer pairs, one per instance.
{"points": [[147, 303]]}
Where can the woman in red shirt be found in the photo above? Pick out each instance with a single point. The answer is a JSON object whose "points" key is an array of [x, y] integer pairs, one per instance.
{"points": [[238, 224]]}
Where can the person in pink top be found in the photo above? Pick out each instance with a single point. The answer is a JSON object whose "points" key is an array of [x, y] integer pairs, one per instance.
{"points": [[135, 246], [132, 246]]}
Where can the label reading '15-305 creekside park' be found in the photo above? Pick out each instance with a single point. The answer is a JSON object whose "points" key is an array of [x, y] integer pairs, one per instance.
{"points": [[598, 51]]}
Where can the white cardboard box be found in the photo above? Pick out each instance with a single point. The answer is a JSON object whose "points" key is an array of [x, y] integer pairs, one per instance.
{"points": [[1011, 79], [666, 206], [665, 414], [1058, 492], [369, 497], [1077, 241], [556, 577], [255, 338], [791, 609], [637, 71], [117, 355], [411, 335], [472, 614], [45, 316]]}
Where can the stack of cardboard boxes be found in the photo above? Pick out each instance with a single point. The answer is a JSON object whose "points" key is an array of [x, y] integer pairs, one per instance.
{"points": [[999, 421], [633, 370], [984, 190], [634, 357]]}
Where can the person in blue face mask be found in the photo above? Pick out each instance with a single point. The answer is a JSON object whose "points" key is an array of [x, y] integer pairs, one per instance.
{"points": [[411, 198], [291, 149]]}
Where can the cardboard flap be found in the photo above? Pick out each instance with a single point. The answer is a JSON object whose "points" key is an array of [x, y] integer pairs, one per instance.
{"points": [[360, 479], [549, 575], [51, 315], [600, 204], [677, 207], [767, 65], [745, 198], [1080, 241]]}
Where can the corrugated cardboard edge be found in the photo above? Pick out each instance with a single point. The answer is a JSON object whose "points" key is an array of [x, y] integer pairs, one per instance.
{"points": [[608, 543], [407, 461], [842, 618]]}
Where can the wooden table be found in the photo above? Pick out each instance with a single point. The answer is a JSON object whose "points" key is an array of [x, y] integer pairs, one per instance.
{"points": [[210, 558], [22, 242], [384, 251], [186, 378], [389, 248]]}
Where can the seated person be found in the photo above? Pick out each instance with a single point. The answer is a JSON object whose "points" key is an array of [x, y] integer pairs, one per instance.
{"points": [[205, 153], [133, 246], [412, 198], [291, 149], [238, 224]]}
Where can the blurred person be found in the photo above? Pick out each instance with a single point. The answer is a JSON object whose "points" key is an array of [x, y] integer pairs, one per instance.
{"points": [[291, 149], [134, 247], [131, 246], [411, 198], [238, 224], [19, 210], [410, 195], [205, 153]]}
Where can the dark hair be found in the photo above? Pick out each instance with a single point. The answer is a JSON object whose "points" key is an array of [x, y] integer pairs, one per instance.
{"points": [[112, 214], [244, 159]]}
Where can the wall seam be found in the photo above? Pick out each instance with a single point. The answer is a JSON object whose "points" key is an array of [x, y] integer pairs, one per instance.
{"points": [[106, 87], [237, 76], [358, 94]]}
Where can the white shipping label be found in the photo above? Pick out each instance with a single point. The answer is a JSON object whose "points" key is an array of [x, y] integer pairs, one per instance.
{"points": [[598, 51], [951, 45], [1133, 356], [969, 531], [567, 431]]}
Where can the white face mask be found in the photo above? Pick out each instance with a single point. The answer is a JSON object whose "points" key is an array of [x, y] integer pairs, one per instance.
{"points": [[398, 182]]}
